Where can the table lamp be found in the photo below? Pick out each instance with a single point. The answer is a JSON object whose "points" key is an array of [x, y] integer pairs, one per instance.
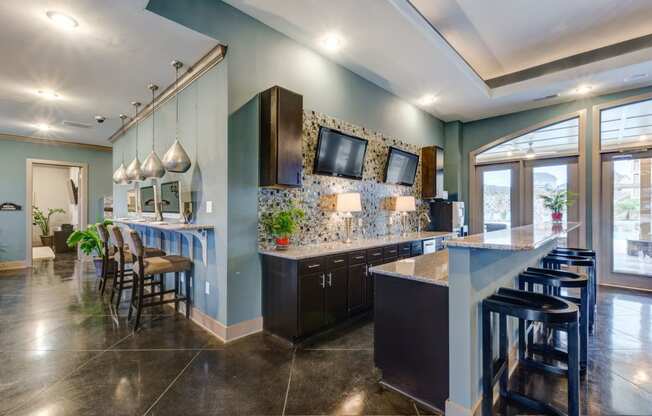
{"points": [[404, 204], [348, 203]]}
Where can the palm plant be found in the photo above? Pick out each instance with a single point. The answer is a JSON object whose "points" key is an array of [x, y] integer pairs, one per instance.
{"points": [[89, 240], [556, 199], [42, 220]]}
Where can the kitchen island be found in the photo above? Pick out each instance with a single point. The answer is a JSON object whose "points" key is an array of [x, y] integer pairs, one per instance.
{"points": [[427, 312]]}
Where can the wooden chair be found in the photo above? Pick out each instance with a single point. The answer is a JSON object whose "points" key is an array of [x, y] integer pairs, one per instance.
{"points": [[108, 264], [145, 267]]}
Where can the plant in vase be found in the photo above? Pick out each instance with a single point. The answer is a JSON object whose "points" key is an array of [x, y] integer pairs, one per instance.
{"points": [[90, 243], [42, 220], [555, 200], [282, 224]]}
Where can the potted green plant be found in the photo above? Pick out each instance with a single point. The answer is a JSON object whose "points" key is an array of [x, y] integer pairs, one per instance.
{"points": [[555, 200], [282, 224], [90, 243], [42, 220]]}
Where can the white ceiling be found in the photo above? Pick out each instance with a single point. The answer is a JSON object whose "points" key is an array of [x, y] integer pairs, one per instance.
{"points": [[97, 68], [391, 44]]}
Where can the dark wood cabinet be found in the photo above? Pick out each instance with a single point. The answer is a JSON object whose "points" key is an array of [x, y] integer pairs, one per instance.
{"points": [[336, 302], [281, 126], [432, 171], [357, 276], [311, 302]]}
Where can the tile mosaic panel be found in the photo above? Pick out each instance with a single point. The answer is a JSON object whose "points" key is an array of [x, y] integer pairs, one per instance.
{"points": [[319, 226]]}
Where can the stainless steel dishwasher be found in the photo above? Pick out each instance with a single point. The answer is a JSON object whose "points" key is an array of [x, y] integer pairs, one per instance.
{"points": [[429, 246]]}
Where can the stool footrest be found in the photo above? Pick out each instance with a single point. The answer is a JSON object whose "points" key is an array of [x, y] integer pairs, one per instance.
{"points": [[165, 302], [155, 294], [538, 365], [543, 349], [533, 404]]}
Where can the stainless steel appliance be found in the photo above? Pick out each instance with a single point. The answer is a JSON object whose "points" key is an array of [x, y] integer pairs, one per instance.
{"points": [[429, 246], [447, 216]]}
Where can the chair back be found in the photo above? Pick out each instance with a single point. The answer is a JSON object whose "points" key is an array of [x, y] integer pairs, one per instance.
{"points": [[135, 244], [103, 232], [116, 237]]}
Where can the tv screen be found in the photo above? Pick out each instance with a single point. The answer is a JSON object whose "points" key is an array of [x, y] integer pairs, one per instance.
{"points": [[147, 198], [339, 154], [401, 167], [170, 200]]}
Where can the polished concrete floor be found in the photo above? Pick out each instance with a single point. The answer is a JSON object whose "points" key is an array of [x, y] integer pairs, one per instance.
{"points": [[64, 351]]}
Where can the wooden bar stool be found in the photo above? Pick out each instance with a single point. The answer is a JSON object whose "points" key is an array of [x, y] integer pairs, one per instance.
{"points": [[152, 266], [108, 264], [123, 257]]}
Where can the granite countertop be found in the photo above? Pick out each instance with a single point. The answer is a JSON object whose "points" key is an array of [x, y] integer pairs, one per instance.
{"points": [[164, 225], [527, 237], [324, 249], [429, 268]]}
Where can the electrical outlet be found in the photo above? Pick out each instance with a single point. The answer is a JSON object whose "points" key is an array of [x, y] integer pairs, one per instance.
{"points": [[209, 207], [208, 288]]}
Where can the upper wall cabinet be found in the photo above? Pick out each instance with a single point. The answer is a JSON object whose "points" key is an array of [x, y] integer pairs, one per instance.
{"points": [[432, 171], [281, 125]]}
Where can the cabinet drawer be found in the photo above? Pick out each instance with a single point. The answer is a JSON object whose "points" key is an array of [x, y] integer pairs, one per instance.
{"points": [[337, 260], [417, 248], [390, 251], [404, 249], [357, 257], [374, 254], [313, 265]]}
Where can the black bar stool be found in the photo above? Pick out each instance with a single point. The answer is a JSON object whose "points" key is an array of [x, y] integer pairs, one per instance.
{"points": [[555, 261], [584, 252], [123, 257], [108, 264], [556, 279], [152, 266], [529, 306]]}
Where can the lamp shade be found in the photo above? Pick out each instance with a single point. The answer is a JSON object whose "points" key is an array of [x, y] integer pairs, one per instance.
{"points": [[405, 204], [348, 202]]}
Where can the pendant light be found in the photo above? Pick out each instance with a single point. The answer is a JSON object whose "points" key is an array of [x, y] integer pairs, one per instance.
{"points": [[120, 175], [134, 172], [176, 159], [152, 167]]}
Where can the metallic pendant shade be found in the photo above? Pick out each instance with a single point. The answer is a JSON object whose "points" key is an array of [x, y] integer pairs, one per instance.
{"points": [[120, 175], [134, 171], [176, 159], [152, 166]]}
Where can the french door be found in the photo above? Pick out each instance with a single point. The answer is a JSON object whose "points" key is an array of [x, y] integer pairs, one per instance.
{"points": [[626, 208], [498, 184]]}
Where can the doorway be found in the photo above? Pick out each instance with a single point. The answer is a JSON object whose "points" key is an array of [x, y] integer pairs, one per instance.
{"points": [[57, 196]]}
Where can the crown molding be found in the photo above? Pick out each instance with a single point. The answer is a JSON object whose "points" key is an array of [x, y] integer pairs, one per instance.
{"points": [[54, 142]]}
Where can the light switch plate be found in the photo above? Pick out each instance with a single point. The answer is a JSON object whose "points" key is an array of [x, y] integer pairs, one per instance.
{"points": [[208, 288], [209, 207]]}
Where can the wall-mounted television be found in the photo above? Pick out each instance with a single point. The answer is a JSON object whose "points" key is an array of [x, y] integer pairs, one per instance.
{"points": [[147, 198], [339, 154], [401, 168], [171, 198]]}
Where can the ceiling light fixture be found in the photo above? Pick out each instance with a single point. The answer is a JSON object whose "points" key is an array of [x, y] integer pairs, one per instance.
{"points": [[48, 94], [134, 171], [120, 174], [176, 159], [530, 152], [427, 99], [152, 166], [62, 20], [583, 89], [331, 42], [43, 127], [635, 77]]}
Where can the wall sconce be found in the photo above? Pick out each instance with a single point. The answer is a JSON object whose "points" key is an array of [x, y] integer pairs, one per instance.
{"points": [[402, 205], [346, 203]]}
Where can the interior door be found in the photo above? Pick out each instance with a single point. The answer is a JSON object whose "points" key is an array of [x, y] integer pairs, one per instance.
{"points": [[626, 205], [498, 186], [544, 175]]}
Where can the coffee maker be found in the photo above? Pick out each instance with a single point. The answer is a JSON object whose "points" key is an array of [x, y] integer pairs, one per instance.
{"points": [[447, 216]]}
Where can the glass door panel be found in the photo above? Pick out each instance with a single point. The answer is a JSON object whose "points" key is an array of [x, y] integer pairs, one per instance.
{"points": [[497, 202]]}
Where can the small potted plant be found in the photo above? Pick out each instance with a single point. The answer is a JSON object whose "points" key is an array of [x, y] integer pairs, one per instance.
{"points": [[555, 200], [282, 225], [90, 243], [42, 220]]}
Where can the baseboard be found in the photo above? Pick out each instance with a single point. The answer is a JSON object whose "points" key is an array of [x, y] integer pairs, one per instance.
{"points": [[13, 265]]}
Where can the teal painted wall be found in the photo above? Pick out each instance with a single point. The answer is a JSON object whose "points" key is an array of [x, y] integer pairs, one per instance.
{"points": [[203, 131], [13, 182], [258, 58], [478, 133]]}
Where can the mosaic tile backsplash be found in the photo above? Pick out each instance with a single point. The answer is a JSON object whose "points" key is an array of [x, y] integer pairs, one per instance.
{"points": [[321, 226]]}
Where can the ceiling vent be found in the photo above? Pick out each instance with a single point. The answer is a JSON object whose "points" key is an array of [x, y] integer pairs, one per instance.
{"points": [[547, 97], [77, 124]]}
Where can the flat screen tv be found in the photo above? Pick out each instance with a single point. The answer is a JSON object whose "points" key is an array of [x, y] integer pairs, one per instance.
{"points": [[339, 154], [147, 198], [401, 168], [170, 198]]}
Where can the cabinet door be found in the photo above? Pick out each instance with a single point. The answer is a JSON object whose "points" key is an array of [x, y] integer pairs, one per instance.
{"points": [[290, 124], [356, 287], [311, 303], [336, 296]]}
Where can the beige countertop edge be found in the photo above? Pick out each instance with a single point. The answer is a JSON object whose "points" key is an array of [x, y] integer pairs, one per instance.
{"points": [[431, 268], [170, 226], [317, 250], [466, 242]]}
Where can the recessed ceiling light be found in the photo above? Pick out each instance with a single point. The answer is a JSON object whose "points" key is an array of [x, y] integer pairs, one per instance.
{"points": [[635, 77], [427, 99], [583, 89], [43, 127], [331, 42], [48, 94], [62, 20]]}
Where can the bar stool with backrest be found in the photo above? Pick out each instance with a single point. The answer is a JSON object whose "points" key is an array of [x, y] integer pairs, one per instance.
{"points": [[527, 306], [557, 260], [558, 280], [124, 276], [151, 266], [593, 279], [108, 264]]}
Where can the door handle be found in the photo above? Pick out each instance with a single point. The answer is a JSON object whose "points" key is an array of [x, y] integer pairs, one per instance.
{"points": [[330, 279], [312, 266], [323, 281], [338, 261]]}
